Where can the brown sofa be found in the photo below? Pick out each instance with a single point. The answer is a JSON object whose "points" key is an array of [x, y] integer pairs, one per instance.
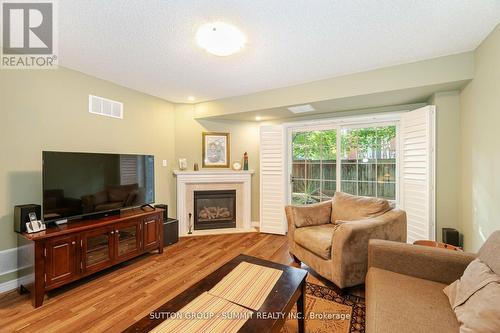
{"points": [[113, 197], [404, 285], [332, 237]]}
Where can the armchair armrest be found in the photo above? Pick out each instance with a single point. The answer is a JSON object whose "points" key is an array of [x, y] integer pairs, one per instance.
{"points": [[435, 264], [350, 244]]}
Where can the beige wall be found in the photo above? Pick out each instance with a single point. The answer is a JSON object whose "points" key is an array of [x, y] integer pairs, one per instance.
{"points": [[480, 121], [244, 138], [447, 160], [48, 110]]}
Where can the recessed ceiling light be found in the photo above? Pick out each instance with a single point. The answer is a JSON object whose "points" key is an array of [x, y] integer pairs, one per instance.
{"points": [[191, 98], [219, 38], [301, 108], [258, 118]]}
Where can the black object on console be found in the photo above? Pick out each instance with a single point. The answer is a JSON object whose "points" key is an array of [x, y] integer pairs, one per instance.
{"points": [[21, 215]]}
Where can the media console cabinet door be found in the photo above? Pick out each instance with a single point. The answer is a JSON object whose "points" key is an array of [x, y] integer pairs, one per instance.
{"points": [[128, 239], [151, 232], [61, 264], [97, 249]]}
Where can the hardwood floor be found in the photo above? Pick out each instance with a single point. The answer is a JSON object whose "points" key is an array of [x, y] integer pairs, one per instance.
{"points": [[114, 299]]}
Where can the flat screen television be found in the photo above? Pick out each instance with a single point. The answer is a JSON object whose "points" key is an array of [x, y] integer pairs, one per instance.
{"points": [[79, 185]]}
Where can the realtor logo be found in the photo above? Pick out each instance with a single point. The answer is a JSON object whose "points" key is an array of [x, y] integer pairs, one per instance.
{"points": [[28, 34]]}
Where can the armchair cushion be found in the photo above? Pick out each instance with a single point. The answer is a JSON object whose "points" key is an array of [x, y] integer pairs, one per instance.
{"points": [[310, 215], [317, 239], [347, 207]]}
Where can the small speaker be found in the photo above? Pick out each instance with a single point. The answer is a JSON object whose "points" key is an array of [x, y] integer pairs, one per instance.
{"points": [[451, 236], [170, 232], [165, 208], [21, 215]]}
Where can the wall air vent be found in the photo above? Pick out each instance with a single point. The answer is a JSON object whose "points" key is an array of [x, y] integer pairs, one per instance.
{"points": [[105, 107], [301, 108]]}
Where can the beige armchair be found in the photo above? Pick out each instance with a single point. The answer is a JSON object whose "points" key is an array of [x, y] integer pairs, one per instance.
{"points": [[332, 237]]}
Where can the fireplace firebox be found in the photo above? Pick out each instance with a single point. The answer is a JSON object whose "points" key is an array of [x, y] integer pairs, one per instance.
{"points": [[214, 209]]}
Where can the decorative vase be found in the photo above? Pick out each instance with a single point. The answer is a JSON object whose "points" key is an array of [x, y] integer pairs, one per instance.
{"points": [[245, 161]]}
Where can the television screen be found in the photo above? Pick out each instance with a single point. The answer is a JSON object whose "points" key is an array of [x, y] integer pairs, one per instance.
{"points": [[79, 184]]}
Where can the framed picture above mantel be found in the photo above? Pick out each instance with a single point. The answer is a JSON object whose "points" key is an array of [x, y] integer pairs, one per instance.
{"points": [[216, 150]]}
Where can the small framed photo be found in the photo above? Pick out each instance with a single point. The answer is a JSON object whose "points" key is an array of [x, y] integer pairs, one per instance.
{"points": [[216, 147]]}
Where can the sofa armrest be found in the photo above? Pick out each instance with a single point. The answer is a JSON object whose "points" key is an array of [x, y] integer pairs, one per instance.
{"points": [[424, 262], [350, 244]]}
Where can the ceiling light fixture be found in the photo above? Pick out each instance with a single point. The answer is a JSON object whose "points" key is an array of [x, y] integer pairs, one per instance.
{"points": [[258, 118], [219, 38], [191, 98]]}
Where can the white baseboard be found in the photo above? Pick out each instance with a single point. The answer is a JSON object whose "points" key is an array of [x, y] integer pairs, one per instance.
{"points": [[13, 260], [13, 284]]}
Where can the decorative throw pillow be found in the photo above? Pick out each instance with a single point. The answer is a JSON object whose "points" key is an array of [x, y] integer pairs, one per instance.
{"points": [[347, 207], [475, 298], [315, 214]]}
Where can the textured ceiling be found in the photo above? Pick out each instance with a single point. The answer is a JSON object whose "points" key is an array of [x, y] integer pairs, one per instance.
{"points": [[149, 45]]}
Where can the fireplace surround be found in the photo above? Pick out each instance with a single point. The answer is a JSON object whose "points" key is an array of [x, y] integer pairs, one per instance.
{"points": [[213, 180]]}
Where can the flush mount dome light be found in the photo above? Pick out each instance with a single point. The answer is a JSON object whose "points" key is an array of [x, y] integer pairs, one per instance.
{"points": [[220, 38]]}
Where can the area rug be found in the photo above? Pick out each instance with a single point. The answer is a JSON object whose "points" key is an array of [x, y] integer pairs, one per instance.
{"points": [[328, 311]]}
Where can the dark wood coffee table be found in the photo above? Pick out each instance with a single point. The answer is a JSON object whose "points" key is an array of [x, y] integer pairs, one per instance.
{"points": [[289, 289]]}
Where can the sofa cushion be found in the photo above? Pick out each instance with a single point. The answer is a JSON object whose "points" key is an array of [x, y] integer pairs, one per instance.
{"points": [[475, 298], [401, 303], [317, 239], [347, 207], [309, 215]]}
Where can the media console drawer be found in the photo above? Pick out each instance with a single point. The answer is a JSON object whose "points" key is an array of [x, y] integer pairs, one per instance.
{"points": [[67, 253]]}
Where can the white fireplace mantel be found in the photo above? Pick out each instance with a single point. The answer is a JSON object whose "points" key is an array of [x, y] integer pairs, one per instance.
{"points": [[219, 178]]}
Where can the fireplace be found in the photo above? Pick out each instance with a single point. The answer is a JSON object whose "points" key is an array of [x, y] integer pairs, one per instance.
{"points": [[214, 209]]}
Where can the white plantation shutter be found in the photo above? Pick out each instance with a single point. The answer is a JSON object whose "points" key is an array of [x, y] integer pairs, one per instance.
{"points": [[128, 169], [417, 144], [272, 184]]}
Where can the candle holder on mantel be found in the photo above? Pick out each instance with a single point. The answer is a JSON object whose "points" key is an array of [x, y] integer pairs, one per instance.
{"points": [[190, 226]]}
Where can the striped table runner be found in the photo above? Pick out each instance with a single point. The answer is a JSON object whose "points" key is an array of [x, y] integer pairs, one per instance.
{"points": [[206, 313], [247, 285]]}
